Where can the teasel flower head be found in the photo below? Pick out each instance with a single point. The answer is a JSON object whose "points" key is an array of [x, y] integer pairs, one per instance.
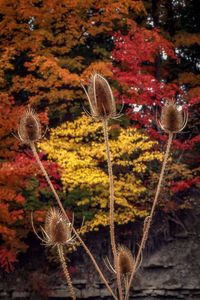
{"points": [[29, 129], [173, 119], [125, 261], [101, 99], [57, 230]]}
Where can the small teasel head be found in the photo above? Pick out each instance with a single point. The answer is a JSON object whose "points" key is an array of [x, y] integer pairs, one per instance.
{"points": [[29, 129], [125, 261], [57, 230], [100, 97], [173, 118]]}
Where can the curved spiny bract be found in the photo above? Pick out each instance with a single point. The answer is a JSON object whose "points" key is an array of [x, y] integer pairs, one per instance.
{"points": [[57, 230]]}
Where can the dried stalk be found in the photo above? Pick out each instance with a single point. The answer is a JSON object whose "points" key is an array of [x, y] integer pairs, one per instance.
{"points": [[111, 210], [149, 218], [65, 271], [33, 148]]}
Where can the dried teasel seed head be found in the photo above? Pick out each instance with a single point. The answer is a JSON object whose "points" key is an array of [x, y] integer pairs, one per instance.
{"points": [[57, 231], [125, 260], [29, 129], [172, 119], [100, 96]]}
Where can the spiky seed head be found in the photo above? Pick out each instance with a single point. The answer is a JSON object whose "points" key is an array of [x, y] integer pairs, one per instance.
{"points": [[125, 260], [100, 96], [172, 119], [29, 129], [57, 231]]}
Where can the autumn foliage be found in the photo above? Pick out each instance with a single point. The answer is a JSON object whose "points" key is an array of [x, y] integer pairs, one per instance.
{"points": [[142, 62], [20, 182], [48, 48], [79, 149]]}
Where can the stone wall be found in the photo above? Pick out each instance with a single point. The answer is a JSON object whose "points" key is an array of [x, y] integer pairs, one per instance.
{"points": [[170, 269]]}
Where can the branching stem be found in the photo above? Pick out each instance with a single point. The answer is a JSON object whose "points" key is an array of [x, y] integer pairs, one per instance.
{"points": [[33, 148], [150, 217]]}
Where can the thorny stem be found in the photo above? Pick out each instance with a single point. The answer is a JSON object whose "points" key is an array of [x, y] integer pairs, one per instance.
{"points": [[149, 218], [33, 148], [65, 271], [111, 210]]}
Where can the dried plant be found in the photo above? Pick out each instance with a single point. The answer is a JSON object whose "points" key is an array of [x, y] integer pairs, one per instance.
{"points": [[29, 130], [58, 231], [172, 121], [103, 107], [125, 261], [35, 124], [124, 266], [100, 97]]}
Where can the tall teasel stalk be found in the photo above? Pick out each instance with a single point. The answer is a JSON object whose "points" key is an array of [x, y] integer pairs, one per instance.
{"points": [[173, 120], [29, 132], [103, 108], [57, 232]]}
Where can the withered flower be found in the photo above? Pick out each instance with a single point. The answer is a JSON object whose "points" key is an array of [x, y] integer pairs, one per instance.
{"points": [[125, 261], [100, 97], [29, 130], [57, 230], [172, 119]]}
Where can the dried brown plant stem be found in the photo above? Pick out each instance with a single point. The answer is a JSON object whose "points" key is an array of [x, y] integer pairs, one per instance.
{"points": [[33, 148], [150, 217], [111, 208], [65, 271]]}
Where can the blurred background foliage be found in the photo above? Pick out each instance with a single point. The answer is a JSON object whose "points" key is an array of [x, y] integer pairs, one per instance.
{"points": [[149, 52]]}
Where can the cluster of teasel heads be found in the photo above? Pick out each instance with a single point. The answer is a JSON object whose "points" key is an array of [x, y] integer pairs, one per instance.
{"points": [[58, 230]]}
